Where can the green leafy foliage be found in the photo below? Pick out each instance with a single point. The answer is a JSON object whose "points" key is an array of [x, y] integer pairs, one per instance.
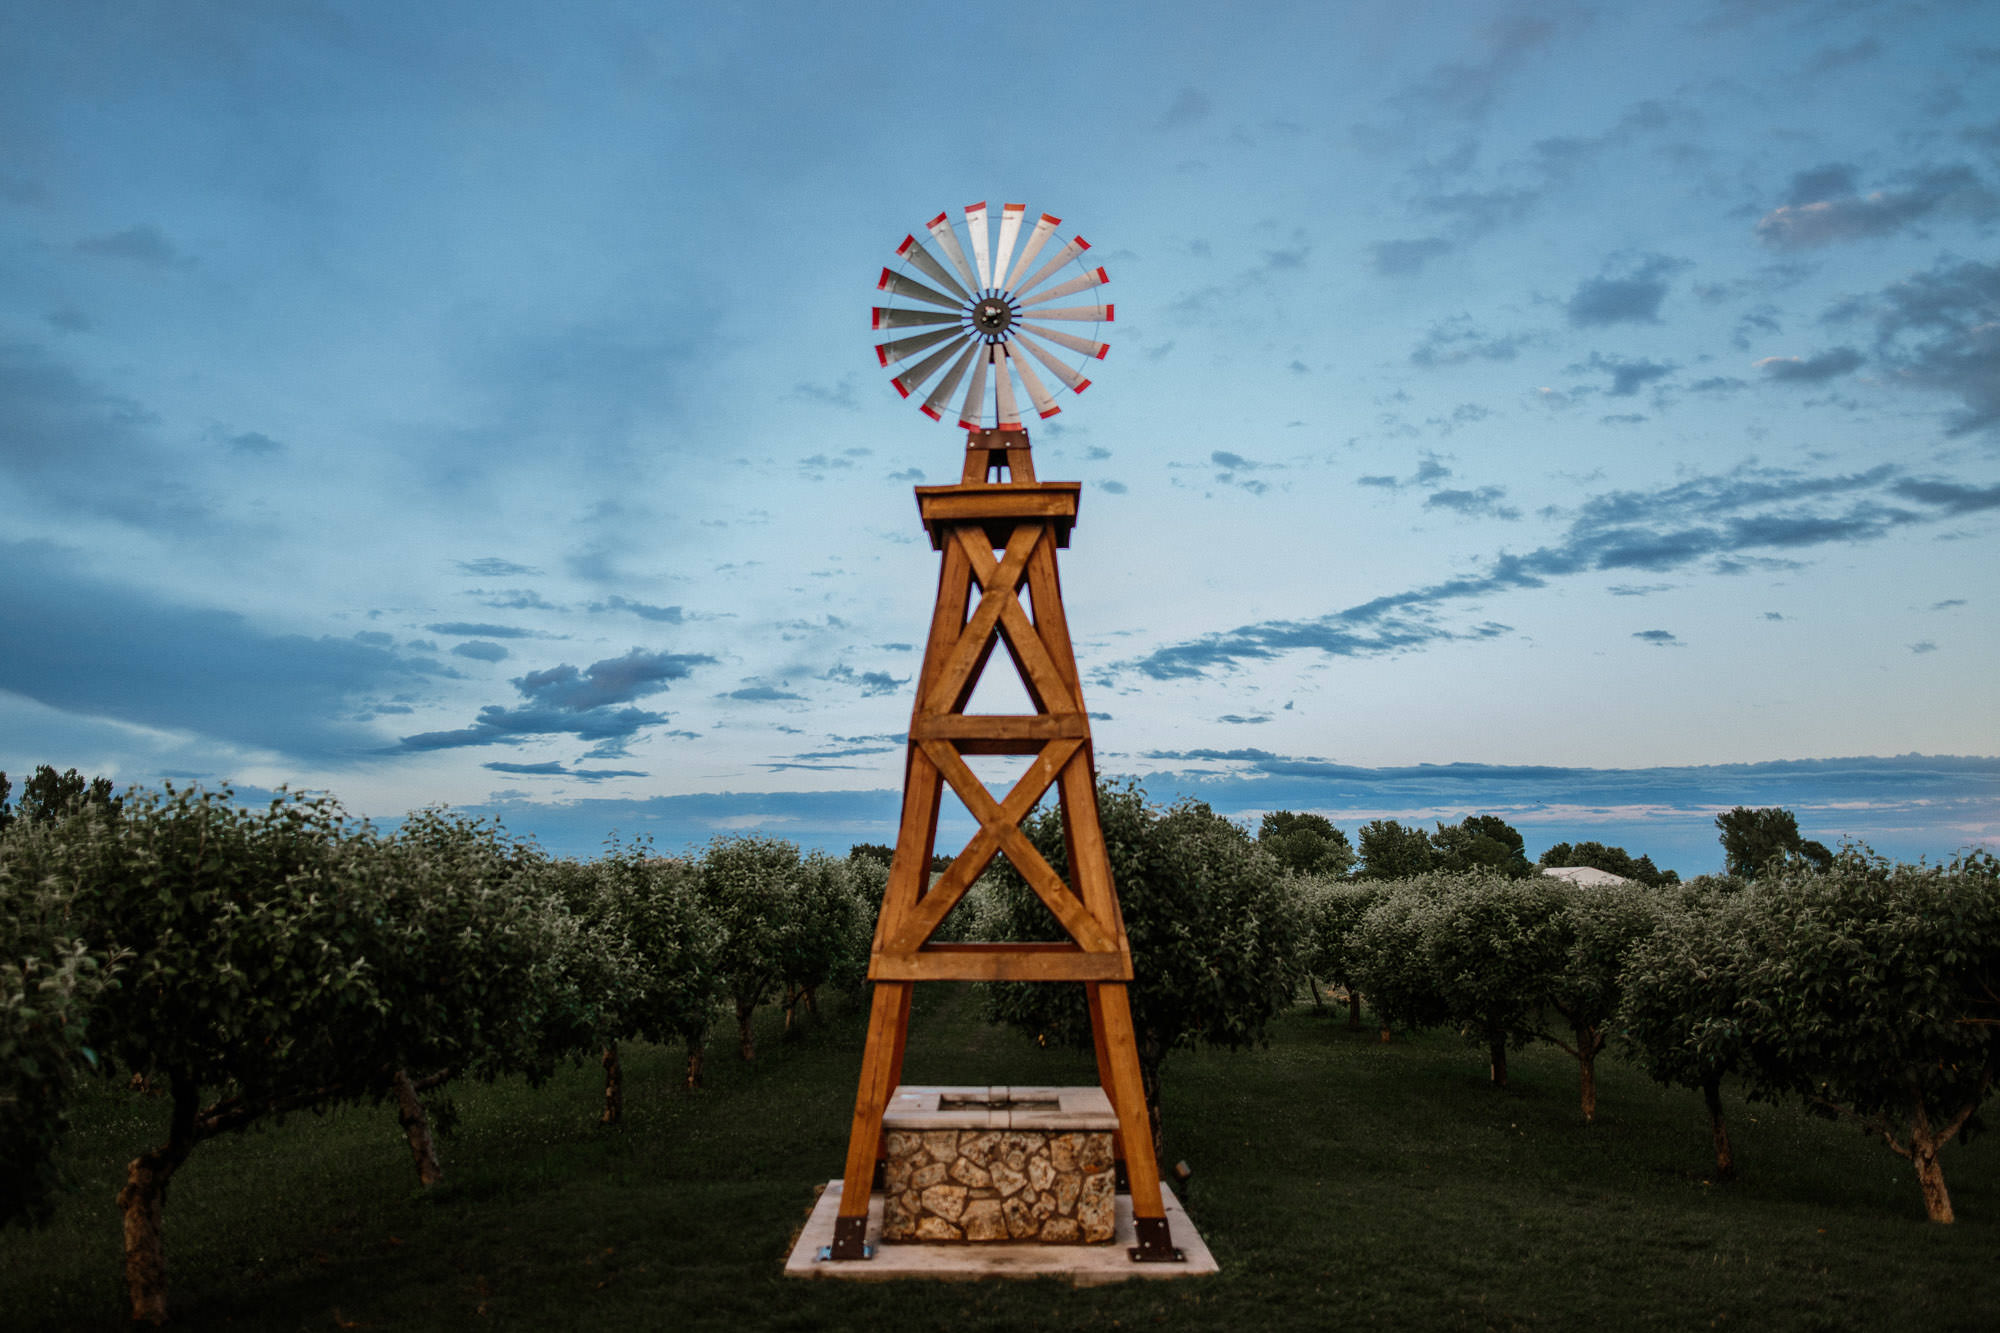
{"points": [[48, 795], [1389, 850], [1481, 842], [1330, 914], [1214, 931], [1305, 844], [747, 884], [1756, 843]]}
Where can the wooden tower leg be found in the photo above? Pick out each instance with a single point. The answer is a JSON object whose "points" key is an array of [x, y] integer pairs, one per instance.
{"points": [[888, 1021]]}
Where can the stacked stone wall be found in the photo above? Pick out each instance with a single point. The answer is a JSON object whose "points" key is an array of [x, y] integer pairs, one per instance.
{"points": [[996, 1185]]}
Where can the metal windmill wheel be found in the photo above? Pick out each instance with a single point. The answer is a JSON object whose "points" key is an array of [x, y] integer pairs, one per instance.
{"points": [[985, 318]]}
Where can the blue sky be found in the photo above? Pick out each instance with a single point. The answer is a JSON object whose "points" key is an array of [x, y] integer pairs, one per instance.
{"points": [[1589, 414]]}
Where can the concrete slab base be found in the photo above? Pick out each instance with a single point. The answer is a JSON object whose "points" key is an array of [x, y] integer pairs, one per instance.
{"points": [[1080, 1265]]}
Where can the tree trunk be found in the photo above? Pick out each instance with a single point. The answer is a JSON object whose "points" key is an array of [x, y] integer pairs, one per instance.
{"points": [[812, 1002], [743, 1042], [1354, 1010], [1937, 1203], [416, 1123], [614, 1086], [694, 1053], [1385, 1036], [1312, 988], [1589, 1041], [791, 1004], [1725, 1159], [1496, 1051], [141, 1202]]}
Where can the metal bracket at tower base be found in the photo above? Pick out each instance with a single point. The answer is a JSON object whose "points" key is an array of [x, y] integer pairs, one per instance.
{"points": [[849, 1237], [1156, 1243]]}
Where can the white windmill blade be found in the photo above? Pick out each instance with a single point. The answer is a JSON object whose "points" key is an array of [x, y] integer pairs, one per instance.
{"points": [[1087, 346], [1101, 313], [947, 239], [892, 281], [915, 376], [884, 318], [942, 394], [1077, 245], [1095, 278], [1076, 382], [1037, 238], [902, 347], [913, 250], [1038, 392], [1010, 230], [975, 226], [1006, 415], [975, 392]]}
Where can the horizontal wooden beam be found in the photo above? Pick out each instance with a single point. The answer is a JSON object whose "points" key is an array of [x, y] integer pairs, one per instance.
{"points": [[1000, 962], [1032, 727], [998, 507]]}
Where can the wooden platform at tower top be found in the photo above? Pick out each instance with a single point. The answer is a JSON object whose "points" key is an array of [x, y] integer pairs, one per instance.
{"points": [[997, 531]]}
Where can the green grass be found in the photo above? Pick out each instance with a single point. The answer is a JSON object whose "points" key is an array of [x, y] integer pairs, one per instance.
{"points": [[1339, 1182]]}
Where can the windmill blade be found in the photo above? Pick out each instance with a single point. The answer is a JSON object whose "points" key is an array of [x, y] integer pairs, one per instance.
{"points": [[884, 318], [913, 250], [916, 291], [975, 392], [1101, 313], [1076, 382], [942, 394], [975, 226], [916, 375], [902, 347], [1010, 230], [1095, 278], [1077, 245], [1037, 238], [1006, 414], [947, 239], [1038, 392], [1075, 344]]}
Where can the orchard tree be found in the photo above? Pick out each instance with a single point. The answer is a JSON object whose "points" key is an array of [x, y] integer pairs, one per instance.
{"points": [[1481, 842], [1391, 851], [48, 795], [747, 884], [49, 981], [1600, 926], [1678, 1012], [1305, 844], [1474, 951], [1330, 914], [825, 936], [1611, 860], [1873, 992], [1756, 843], [1214, 933]]}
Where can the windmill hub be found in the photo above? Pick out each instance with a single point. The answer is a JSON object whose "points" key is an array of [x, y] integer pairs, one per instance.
{"points": [[992, 316]]}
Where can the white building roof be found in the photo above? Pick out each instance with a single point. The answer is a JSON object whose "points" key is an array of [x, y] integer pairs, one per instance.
{"points": [[1585, 875]]}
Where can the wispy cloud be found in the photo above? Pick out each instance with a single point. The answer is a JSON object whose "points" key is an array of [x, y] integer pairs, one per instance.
{"points": [[593, 703], [1824, 209]]}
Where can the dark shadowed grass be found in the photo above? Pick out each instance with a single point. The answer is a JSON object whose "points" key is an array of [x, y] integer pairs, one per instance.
{"points": [[1339, 1182]]}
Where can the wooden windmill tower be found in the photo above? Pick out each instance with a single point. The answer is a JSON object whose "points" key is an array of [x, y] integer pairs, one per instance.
{"points": [[997, 531]]}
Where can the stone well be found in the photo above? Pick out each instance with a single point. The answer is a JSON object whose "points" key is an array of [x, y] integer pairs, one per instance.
{"points": [[999, 1164]]}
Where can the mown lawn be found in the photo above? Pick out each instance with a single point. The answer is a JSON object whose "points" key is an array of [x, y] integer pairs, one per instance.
{"points": [[1339, 1182]]}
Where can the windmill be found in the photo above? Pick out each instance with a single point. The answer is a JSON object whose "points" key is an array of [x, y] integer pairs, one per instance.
{"points": [[969, 320]]}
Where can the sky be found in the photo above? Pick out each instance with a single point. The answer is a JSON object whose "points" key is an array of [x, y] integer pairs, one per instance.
{"points": [[1588, 414]]}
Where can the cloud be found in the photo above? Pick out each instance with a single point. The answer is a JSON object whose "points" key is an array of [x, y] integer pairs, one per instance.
{"points": [[1823, 208], [1923, 646], [666, 615], [480, 650], [1401, 258], [870, 683], [1481, 503], [473, 629], [554, 770], [492, 567], [254, 443], [1812, 369], [1465, 90], [99, 649], [758, 694], [144, 244], [1190, 106], [1726, 519], [1940, 331], [1629, 297], [1659, 638], [564, 700], [1237, 719], [1627, 377], [841, 395], [1454, 341]]}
